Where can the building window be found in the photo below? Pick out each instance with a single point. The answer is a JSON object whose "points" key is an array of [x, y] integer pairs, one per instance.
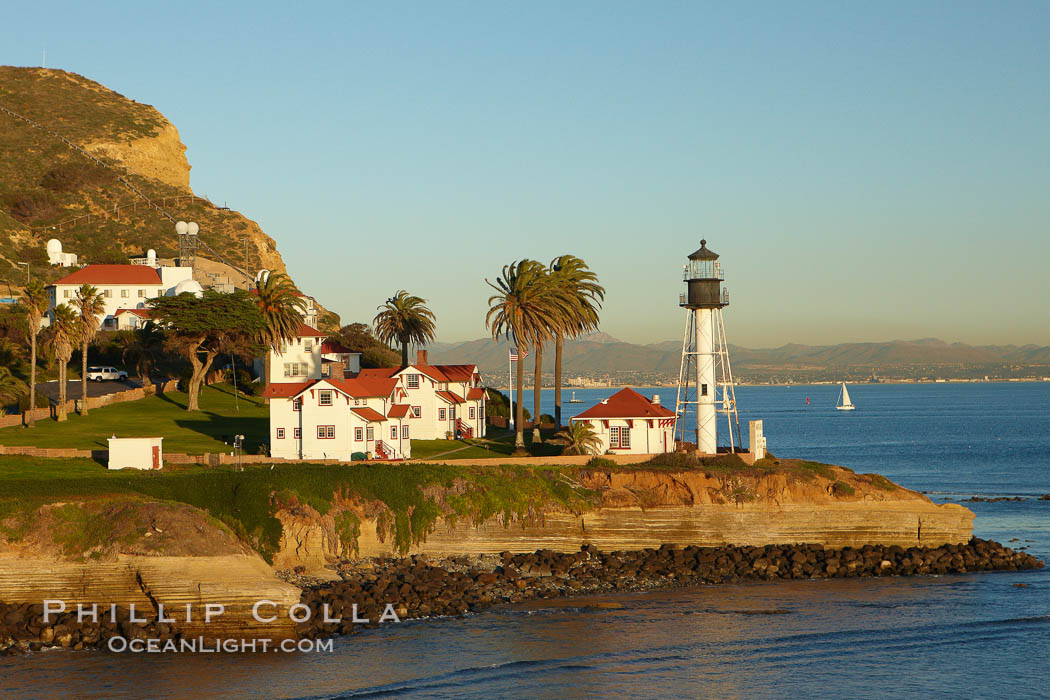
{"points": [[358, 434], [404, 432], [107, 293], [326, 370], [280, 433], [370, 433], [124, 293], [325, 432], [393, 432], [619, 437], [703, 390], [324, 398], [412, 381], [284, 348], [441, 414], [471, 413], [297, 433], [142, 294], [417, 411], [308, 345], [67, 293], [297, 404]]}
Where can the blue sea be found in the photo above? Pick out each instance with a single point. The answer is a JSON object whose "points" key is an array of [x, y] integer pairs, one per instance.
{"points": [[975, 635]]}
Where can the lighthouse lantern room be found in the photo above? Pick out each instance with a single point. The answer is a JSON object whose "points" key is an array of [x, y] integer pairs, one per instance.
{"points": [[705, 380]]}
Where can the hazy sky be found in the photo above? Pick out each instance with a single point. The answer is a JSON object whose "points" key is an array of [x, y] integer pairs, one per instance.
{"points": [[868, 171]]}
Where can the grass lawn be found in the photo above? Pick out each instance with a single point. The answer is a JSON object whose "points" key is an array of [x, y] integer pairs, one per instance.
{"points": [[198, 432], [498, 443]]}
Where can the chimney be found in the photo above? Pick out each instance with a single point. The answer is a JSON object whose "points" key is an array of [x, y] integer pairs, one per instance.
{"points": [[421, 357], [656, 399]]}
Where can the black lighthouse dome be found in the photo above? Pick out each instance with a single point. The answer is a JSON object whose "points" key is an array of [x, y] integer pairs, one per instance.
{"points": [[703, 276]]}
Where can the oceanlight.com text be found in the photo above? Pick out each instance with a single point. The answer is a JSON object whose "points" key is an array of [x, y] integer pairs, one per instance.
{"points": [[199, 645]]}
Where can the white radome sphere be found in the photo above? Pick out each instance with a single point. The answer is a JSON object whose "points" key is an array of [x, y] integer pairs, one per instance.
{"points": [[192, 228], [54, 246], [189, 286], [180, 227]]}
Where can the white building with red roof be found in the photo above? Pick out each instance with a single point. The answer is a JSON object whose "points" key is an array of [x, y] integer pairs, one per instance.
{"points": [[444, 399], [122, 287], [629, 423]]}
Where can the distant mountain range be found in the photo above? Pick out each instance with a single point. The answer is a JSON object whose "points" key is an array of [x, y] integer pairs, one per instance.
{"points": [[601, 354]]}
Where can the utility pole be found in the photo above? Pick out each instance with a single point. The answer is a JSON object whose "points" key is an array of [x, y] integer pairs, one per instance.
{"points": [[26, 265]]}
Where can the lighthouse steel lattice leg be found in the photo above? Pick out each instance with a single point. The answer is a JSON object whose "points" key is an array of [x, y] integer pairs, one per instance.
{"points": [[688, 392]]}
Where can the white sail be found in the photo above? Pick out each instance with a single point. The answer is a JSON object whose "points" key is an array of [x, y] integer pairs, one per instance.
{"points": [[844, 402]]}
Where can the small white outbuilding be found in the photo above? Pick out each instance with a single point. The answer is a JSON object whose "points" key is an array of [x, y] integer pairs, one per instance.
{"points": [[135, 453]]}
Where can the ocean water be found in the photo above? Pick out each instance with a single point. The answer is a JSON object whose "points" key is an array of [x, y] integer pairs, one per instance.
{"points": [[975, 635]]}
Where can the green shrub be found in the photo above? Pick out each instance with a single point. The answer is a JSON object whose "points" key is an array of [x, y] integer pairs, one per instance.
{"points": [[600, 463], [841, 488]]}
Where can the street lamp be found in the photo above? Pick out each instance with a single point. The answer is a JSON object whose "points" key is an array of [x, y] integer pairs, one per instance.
{"points": [[26, 265]]}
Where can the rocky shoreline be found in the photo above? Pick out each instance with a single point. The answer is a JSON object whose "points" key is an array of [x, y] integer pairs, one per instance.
{"points": [[416, 587]]}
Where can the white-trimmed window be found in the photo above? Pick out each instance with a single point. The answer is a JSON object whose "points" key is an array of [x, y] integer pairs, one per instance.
{"points": [[297, 433], [370, 433], [471, 412], [412, 381], [280, 433], [417, 411], [359, 434], [324, 398], [325, 432], [619, 437], [67, 293], [441, 414], [404, 432], [393, 432], [107, 293], [308, 345], [124, 293], [296, 369], [141, 294]]}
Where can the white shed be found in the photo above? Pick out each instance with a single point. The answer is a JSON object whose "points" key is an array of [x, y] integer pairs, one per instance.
{"points": [[135, 453]]}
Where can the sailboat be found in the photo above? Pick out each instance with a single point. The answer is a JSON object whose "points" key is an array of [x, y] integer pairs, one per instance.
{"points": [[844, 403], [574, 399]]}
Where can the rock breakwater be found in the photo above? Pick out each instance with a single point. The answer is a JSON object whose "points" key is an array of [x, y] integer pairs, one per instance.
{"points": [[416, 587]]}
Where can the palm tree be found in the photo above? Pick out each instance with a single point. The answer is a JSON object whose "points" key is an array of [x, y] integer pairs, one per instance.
{"points": [[66, 325], [140, 347], [34, 303], [582, 284], [578, 438], [404, 319], [90, 306], [282, 309], [524, 309], [11, 388]]}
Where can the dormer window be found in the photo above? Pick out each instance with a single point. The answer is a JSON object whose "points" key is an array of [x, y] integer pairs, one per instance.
{"points": [[412, 381]]}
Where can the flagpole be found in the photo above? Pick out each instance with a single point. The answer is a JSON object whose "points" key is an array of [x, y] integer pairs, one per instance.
{"points": [[510, 386]]}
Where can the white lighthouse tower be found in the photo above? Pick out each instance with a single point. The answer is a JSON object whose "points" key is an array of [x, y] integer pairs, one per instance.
{"points": [[705, 381]]}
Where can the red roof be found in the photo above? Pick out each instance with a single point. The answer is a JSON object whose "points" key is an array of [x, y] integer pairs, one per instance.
{"points": [[285, 390], [141, 313], [450, 397], [626, 403], [112, 274], [331, 346], [369, 414], [475, 394], [306, 331], [398, 410], [378, 373], [364, 387]]}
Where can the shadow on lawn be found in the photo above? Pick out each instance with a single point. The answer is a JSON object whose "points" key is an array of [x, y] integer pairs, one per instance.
{"points": [[224, 428]]}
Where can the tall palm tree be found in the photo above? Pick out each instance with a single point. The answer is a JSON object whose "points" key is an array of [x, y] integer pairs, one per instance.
{"points": [[582, 285], [578, 438], [90, 307], [524, 309], [404, 319], [11, 388], [282, 309], [66, 325], [34, 303]]}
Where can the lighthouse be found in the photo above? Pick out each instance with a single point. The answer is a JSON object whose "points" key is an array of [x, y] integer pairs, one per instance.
{"points": [[705, 380]]}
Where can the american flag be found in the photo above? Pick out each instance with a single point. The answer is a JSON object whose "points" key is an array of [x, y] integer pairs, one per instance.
{"points": [[514, 354]]}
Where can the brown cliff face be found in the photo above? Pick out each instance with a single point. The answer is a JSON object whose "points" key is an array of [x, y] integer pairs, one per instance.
{"points": [[793, 502]]}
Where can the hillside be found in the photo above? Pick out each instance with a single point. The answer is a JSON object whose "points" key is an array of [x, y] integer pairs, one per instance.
{"points": [[45, 183], [899, 358]]}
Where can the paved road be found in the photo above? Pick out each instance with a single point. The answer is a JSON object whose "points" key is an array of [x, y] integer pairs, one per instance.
{"points": [[50, 389]]}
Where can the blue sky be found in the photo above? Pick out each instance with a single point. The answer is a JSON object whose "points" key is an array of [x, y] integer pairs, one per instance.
{"points": [[867, 171]]}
